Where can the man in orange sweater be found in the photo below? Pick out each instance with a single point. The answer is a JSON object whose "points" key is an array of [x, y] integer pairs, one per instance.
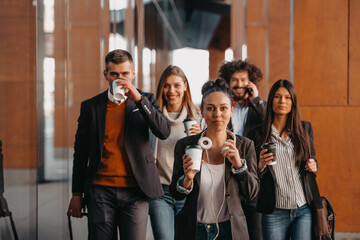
{"points": [[114, 171]]}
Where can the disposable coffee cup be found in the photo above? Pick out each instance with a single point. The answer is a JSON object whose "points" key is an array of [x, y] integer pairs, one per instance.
{"points": [[118, 91], [188, 123], [271, 148], [195, 153]]}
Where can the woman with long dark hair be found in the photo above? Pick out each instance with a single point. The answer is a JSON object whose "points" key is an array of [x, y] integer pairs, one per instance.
{"points": [[285, 196], [227, 177]]}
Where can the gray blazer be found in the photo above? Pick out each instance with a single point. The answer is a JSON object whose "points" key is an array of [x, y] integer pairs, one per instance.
{"points": [[239, 188]]}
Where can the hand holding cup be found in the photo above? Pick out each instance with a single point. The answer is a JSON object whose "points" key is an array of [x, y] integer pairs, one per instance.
{"points": [[230, 152], [192, 160], [118, 91], [267, 156], [191, 127]]}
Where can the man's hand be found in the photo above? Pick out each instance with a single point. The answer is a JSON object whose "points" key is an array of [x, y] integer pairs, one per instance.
{"points": [[74, 209], [254, 91], [130, 90]]}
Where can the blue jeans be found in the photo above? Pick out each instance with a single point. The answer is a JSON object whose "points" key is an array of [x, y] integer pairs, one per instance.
{"points": [[209, 231], [162, 212], [285, 224]]}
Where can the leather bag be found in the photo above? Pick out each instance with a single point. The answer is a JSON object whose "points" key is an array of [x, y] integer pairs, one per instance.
{"points": [[324, 221]]}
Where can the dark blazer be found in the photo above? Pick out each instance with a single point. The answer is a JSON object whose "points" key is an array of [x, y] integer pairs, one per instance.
{"points": [[89, 141], [255, 116], [239, 188], [266, 198]]}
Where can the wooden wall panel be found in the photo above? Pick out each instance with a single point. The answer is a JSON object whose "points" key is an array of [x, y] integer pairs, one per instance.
{"points": [[327, 81], [88, 24], [321, 57], [17, 9], [336, 132], [354, 53], [18, 84], [257, 38], [61, 64], [83, 11], [18, 123], [237, 27], [216, 57], [279, 35], [17, 43], [85, 66], [85, 73]]}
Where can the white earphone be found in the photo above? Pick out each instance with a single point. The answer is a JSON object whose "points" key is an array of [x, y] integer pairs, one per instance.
{"points": [[205, 142]]}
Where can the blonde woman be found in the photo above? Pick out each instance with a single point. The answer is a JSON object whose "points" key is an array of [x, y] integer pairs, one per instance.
{"points": [[174, 98]]}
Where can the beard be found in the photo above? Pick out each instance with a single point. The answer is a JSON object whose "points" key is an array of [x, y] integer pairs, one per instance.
{"points": [[238, 96]]}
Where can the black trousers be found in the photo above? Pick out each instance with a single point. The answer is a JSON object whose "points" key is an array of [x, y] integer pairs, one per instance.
{"points": [[113, 208]]}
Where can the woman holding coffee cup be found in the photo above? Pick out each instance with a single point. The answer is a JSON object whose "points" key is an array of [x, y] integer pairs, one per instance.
{"points": [[174, 98], [285, 193], [227, 177]]}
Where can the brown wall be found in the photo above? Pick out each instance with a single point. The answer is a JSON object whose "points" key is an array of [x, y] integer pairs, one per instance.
{"points": [[88, 23], [327, 92], [326, 77], [18, 83], [354, 53], [257, 24]]}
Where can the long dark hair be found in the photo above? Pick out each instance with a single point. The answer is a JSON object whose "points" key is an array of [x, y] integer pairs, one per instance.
{"points": [[293, 125], [191, 109]]}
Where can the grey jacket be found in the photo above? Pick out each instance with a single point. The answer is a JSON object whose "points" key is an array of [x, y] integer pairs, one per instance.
{"points": [[239, 188]]}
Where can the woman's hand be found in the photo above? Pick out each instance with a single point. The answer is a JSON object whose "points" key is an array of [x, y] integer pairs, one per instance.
{"points": [[311, 166], [265, 159], [195, 129], [189, 174], [230, 152]]}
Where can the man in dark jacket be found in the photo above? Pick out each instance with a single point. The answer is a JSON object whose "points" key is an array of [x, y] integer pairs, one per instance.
{"points": [[249, 111], [114, 169]]}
